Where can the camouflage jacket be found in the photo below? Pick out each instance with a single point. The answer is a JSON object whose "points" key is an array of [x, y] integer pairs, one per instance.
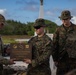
{"points": [[41, 51], [2, 60], [64, 41]]}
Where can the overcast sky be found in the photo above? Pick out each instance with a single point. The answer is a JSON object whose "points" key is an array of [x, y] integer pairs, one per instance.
{"points": [[28, 10]]}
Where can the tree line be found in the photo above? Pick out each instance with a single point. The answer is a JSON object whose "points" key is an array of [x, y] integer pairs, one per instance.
{"points": [[17, 28]]}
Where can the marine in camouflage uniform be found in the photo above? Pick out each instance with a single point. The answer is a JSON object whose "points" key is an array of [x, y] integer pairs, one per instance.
{"points": [[2, 60], [41, 51], [64, 41]]}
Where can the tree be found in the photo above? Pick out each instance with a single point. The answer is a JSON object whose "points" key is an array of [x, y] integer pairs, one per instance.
{"points": [[18, 28]]}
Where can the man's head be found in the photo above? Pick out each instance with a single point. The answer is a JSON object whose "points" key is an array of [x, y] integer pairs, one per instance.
{"points": [[39, 26], [2, 21], [39, 23], [65, 15]]}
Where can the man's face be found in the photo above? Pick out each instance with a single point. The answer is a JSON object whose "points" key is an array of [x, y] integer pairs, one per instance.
{"points": [[1, 25], [39, 30], [66, 22]]}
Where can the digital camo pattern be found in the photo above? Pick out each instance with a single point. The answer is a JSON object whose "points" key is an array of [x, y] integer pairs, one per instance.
{"points": [[64, 42], [39, 22], [42, 49], [65, 14], [2, 60]]}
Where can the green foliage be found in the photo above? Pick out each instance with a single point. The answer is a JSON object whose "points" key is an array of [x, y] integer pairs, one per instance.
{"points": [[18, 28], [51, 26], [8, 30]]}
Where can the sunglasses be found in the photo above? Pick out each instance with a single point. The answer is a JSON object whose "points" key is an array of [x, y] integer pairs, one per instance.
{"points": [[65, 19], [38, 27]]}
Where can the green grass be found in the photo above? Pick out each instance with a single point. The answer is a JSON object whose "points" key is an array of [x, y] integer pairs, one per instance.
{"points": [[11, 38], [9, 41]]}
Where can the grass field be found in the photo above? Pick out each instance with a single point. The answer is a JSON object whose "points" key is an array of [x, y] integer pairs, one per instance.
{"points": [[12, 38]]}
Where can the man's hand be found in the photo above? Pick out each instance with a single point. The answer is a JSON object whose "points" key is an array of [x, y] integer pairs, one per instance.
{"points": [[28, 61], [11, 61], [56, 63]]}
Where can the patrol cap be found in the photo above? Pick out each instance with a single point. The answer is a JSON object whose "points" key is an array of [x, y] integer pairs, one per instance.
{"points": [[65, 14], [39, 23], [2, 19]]}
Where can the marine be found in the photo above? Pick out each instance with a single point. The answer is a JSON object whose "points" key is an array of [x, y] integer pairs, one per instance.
{"points": [[41, 51], [3, 61], [64, 44]]}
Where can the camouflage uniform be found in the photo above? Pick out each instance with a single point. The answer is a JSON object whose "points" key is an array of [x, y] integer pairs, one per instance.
{"points": [[64, 41], [2, 60], [41, 51]]}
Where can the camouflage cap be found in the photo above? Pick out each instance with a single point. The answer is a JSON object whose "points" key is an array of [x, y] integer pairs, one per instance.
{"points": [[2, 19], [39, 22], [65, 14]]}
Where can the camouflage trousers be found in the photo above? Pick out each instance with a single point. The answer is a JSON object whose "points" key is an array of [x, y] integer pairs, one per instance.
{"points": [[39, 71], [20, 73], [12, 72], [0, 72], [64, 67]]}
